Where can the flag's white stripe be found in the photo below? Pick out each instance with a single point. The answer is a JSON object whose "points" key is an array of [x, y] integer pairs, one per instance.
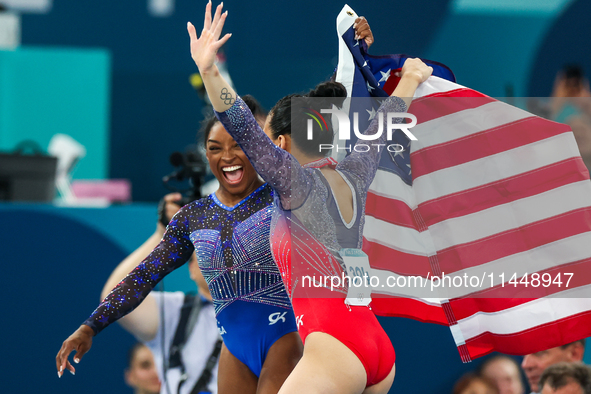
{"points": [[345, 73], [512, 215], [553, 254], [495, 167], [528, 315], [398, 237], [464, 123], [387, 184], [474, 279], [435, 84], [383, 276], [407, 286]]}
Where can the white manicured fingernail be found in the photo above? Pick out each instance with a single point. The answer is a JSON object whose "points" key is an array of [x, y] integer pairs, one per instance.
{"points": [[76, 360], [58, 375], [61, 369], [72, 372]]}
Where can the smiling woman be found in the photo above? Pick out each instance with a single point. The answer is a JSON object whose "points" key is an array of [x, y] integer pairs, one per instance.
{"points": [[229, 232], [227, 161]]}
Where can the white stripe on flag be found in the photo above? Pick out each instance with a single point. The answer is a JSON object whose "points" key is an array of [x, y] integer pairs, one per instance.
{"points": [[435, 85], [528, 315], [387, 184], [414, 287], [541, 258], [511, 215], [396, 237], [495, 167], [464, 123]]}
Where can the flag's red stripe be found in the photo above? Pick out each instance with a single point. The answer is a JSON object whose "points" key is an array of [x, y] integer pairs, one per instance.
{"points": [[497, 298], [441, 104], [383, 305], [514, 241], [556, 333], [402, 263], [524, 185], [482, 144], [503, 191], [389, 210], [501, 298], [482, 251]]}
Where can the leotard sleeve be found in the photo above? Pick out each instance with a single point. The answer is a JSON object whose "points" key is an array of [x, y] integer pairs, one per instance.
{"points": [[173, 251], [276, 166], [362, 165]]}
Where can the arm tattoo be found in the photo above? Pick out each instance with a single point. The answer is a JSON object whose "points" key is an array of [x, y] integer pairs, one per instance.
{"points": [[227, 97]]}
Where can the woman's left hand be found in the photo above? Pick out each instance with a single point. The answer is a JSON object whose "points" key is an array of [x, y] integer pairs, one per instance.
{"points": [[205, 48]]}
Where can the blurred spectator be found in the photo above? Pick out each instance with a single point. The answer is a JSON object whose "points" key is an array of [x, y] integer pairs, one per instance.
{"points": [[534, 364], [571, 104], [141, 373], [504, 372], [570, 83], [566, 378], [471, 383]]}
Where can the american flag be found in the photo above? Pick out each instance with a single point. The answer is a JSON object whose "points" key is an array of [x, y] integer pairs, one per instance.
{"points": [[490, 192]]}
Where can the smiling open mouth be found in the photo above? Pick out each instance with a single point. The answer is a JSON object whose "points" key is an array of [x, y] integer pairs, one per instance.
{"points": [[233, 174]]}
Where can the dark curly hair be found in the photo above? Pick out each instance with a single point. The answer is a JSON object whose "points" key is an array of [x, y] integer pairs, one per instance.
{"points": [[255, 107]]}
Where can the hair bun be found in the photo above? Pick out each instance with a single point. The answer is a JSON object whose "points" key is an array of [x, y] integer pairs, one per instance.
{"points": [[328, 89]]}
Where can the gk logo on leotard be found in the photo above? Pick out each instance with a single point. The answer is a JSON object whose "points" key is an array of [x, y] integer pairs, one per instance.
{"points": [[299, 321], [222, 330], [275, 317]]}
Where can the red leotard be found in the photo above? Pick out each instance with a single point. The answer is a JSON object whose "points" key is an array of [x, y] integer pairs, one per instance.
{"points": [[307, 234]]}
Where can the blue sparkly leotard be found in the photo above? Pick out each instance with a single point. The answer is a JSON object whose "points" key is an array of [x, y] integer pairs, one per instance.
{"points": [[232, 247]]}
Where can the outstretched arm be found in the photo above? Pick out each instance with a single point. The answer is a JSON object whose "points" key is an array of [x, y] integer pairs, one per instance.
{"points": [[172, 252], [143, 322], [276, 166]]}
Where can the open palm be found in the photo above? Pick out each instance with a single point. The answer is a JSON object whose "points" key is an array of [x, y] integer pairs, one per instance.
{"points": [[204, 48]]}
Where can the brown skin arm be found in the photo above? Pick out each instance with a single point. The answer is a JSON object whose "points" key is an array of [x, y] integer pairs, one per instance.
{"points": [[142, 322], [363, 31], [81, 341]]}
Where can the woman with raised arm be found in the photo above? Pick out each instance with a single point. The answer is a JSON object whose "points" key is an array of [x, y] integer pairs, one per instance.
{"points": [[229, 232], [319, 211]]}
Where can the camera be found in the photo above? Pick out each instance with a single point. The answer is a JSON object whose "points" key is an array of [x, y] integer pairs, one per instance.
{"points": [[187, 180]]}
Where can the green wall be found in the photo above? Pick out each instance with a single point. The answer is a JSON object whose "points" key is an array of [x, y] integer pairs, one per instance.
{"points": [[44, 91]]}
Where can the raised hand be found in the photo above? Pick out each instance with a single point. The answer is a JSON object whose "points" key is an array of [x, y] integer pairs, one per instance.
{"points": [[363, 31], [204, 48], [413, 73], [416, 69], [81, 341]]}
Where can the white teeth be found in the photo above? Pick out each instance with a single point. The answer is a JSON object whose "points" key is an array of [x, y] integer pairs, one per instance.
{"points": [[230, 169]]}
